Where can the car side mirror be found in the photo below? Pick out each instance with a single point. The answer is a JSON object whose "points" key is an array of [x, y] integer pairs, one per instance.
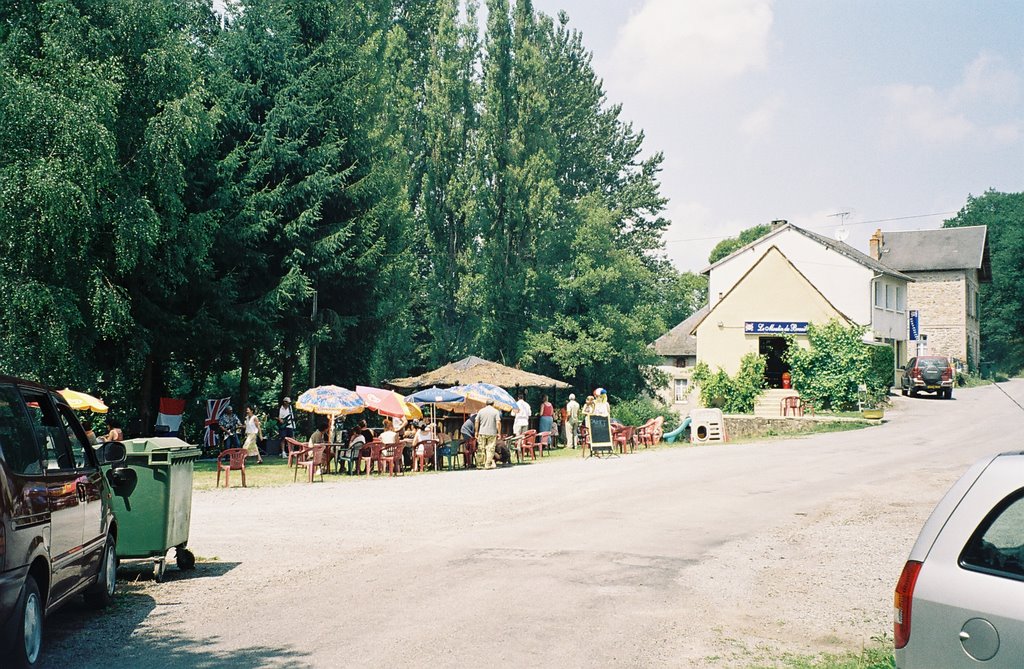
{"points": [[902, 368], [113, 453]]}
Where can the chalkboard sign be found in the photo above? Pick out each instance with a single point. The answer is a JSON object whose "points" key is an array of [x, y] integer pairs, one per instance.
{"points": [[599, 429]]}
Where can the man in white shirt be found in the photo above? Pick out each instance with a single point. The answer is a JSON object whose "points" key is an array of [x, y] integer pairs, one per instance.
{"points": [[522, 412], [488, 429], [286, 423], [572, 420]]}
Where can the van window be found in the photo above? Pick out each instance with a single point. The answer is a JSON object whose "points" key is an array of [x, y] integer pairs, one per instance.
{"points": [[17, 442], [50, 431], [80, 446], [997, 546]]}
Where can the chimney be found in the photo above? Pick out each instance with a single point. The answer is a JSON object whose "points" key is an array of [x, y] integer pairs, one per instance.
{"points": [[779, 222], [875, 244]]}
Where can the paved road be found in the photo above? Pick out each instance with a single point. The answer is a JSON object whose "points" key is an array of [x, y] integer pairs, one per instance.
{"points": [[703, 556]]}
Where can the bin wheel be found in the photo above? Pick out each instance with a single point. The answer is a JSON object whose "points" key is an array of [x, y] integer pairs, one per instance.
{"points": [[159, 567], [185, 558]]}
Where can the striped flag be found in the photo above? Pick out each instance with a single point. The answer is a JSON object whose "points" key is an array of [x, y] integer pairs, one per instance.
{"points": [[214, 408], [170, 416]]}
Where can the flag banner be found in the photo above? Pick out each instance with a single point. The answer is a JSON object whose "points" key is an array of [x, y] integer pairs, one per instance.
{"points": [[169, 417], [214, 408]]}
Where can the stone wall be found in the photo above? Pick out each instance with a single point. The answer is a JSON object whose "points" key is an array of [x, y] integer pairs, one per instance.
{"points": [[941, 300], [738, 427]]}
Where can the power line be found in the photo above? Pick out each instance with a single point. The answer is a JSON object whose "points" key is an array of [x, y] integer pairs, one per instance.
{"points": [[830, 225]]}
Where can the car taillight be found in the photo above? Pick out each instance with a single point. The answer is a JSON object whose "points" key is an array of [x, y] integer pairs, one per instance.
{"points": [[947, 374], [903, 601], [915, 373]]}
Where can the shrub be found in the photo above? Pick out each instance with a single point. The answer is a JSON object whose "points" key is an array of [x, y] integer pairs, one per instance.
{"points": [[735, 394], [829, 373], [639, 410]]}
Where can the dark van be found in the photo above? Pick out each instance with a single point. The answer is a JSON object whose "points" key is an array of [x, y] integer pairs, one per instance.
{"points": [[57, 530]]}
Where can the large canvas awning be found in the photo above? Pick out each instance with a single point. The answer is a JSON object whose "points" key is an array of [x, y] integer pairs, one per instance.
{"points": [[478, 370]]}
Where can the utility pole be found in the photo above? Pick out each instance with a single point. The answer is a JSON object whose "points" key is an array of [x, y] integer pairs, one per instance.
{"points": [[313, 345]]}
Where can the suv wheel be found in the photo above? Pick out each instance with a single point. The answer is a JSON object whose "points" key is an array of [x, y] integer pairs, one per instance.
{"points": [[948, 393], [25, 636], [101, 593]]}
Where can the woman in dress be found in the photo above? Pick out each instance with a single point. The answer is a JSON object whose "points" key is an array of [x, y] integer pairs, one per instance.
{"points": [[547, 413], [253, 433]]}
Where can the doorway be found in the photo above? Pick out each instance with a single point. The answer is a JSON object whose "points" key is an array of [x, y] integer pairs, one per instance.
{"points": [[774, 351]]}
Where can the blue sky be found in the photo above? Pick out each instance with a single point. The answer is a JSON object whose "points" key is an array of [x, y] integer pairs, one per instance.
{"points": [[802, 109]]}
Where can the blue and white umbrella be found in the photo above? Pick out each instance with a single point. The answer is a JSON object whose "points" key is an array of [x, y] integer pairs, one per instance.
{"points": [[330, 400], [436, 396], [482, 392]]}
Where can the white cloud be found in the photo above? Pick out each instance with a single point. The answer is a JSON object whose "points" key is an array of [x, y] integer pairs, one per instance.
{"points": [[962, 113], [672, 43], [761, 121]]}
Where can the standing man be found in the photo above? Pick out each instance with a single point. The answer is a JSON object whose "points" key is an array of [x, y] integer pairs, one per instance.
{"points": [[487, 429], [286, 421], [229, 425], [572, 420], [522, 412]]}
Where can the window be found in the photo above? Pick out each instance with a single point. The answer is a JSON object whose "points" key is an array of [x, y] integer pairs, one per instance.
{"points": [[997, 547], [879, 295], [681, 390], [50, 432], [17, 443], [76, 436], [901, 297], [890, 297]]}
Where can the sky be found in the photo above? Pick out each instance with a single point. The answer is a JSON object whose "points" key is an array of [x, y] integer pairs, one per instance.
{"points": [[894, 112]]}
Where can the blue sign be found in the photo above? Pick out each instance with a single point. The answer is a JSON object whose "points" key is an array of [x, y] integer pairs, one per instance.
{"points": [[915, 325], [774, 327]]}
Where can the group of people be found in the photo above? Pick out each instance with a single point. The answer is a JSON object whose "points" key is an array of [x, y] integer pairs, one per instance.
{"points": [[229, 425], [485, 425]]}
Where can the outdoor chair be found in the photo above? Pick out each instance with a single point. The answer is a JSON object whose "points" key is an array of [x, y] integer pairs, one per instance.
{"points": [[657, 430], [348, 457], [231, 459], [468, 450], [312, 459], [791, 405], [294, 447], [527, 442], [449, 450], [623, 438], [645, 433], [392, 458], [420, 460], [373, 457], [543, 441]]}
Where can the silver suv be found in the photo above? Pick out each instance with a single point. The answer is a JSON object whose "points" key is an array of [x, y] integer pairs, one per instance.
{"points": [[960, 599]]}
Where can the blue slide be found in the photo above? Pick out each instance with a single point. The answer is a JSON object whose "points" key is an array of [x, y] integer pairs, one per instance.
{"points": [[671, 437]]}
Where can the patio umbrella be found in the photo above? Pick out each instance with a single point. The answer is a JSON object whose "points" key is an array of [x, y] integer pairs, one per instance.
{"points": [[443, 398], [482, 392], [330, 401], [384, 402], [80, 401]]}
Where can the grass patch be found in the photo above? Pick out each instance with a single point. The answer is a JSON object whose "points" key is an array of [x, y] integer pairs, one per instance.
{"points": [[879, 655]]}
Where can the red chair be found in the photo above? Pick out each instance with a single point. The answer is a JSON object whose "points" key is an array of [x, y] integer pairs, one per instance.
{"points": [[232, 459], [392, 458], [423, 452], [644, 434], [528, 442], [294, 448], [623, 438], [657, 430], [313, 459], [468, 448], [543, 440], [368, 461], [791, 404]]}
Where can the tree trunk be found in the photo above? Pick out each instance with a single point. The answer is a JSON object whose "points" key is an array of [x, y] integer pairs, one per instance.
{"points": [[287, 372], [145, 422], [243, 384]]}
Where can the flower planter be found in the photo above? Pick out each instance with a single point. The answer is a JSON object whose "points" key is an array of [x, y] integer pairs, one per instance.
{"points": [[872, 413]]}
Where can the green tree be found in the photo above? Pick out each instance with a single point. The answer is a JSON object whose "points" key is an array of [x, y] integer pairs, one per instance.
{"points": [[837, 361], [727, 246], [1002, 300]]}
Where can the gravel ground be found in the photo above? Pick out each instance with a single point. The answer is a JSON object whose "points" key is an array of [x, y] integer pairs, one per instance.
{"points": [[714, 556]]}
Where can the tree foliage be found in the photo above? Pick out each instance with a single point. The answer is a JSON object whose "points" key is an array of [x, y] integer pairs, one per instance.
{"points": [[829, 372], [732, 394], [727, 246]]}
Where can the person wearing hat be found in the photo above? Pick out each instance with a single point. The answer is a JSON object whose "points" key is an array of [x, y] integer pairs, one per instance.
{"points": [[286, 423], [572, 420], [601, 406], [229, 424], [487, 429]]}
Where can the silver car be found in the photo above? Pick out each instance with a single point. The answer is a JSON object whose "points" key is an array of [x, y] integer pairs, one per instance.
{"points": [[960, 599]]}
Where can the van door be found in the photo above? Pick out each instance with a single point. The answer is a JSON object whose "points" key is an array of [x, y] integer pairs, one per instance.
{"points": [[62, 492], [24, 502], [90, 489]]}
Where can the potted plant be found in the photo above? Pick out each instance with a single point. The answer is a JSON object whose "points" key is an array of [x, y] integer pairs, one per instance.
{"points": [[872, 403]]}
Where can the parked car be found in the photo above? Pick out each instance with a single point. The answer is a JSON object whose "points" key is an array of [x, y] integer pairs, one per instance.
{"points": [[931, 373], [960, 599], [57, 529]]}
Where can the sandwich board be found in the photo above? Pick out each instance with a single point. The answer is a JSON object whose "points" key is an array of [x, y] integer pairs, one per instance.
{"points": [[599, 430]]}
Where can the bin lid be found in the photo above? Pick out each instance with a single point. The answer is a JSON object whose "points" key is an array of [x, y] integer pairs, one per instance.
{"points": [[177, 447]]}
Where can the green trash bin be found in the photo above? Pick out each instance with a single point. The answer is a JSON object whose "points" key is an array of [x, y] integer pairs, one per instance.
{"points": [[152, 500]]}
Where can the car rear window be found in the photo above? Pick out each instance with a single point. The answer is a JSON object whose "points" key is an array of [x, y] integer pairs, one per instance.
{"points": [[932, 363], [997, 546], [17, 441]]}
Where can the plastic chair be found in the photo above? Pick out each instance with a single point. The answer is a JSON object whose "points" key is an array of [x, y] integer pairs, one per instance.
{"points": [[451, 451], [623, 438], [429, 452], [368, 461], [313, 459], [348, 457], [232, 459], [294, 448], [468, 450], [543, 440], [392, 458], [528, 442], [657, 430]]}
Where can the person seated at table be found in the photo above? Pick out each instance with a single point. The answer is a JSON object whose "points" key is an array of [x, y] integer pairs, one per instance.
{"points": [[364, 430], [388, 436], [319, 435], [423, 433]]}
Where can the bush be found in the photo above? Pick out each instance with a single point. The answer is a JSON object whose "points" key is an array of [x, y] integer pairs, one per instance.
{"points": [[829, 373], [639, 410], [735, 394]]}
